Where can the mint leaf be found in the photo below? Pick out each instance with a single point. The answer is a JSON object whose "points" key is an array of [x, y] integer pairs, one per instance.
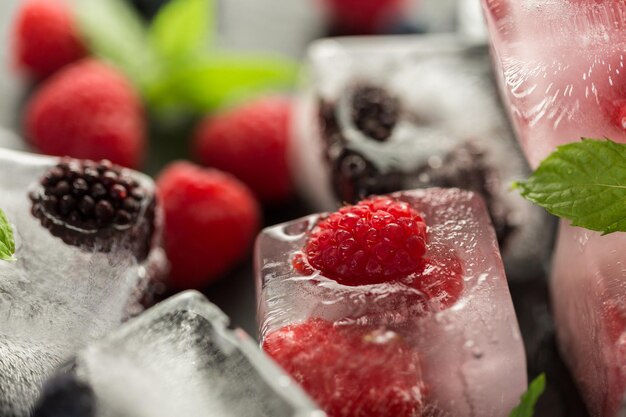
{"points": [[208, 83], [116, 33], [584, 182], [182, 27], [7, 242], [529, 399]]}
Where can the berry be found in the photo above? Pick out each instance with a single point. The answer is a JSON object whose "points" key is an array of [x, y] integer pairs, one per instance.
{"points": [[46, 37], [351, 371], [352, 17], [375, 112], [82, 208], [372, 242], [89, 111], [210, 222], [250, 142]]}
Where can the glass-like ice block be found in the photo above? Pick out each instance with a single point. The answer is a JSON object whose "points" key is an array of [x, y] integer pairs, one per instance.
{"points": [[560, 65], [74, 279], [178, 358], [589, 303], [385, 114], [463, 360]]}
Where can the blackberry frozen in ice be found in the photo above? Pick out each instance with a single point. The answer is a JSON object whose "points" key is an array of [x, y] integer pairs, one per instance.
{"points": [[77, 275], [386, 114]]}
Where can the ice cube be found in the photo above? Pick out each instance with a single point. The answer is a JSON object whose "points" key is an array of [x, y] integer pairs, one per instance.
{"points": [[561, 69], [589, 303], [179, 358], [460, 358], [386, 114], [75, 278]]}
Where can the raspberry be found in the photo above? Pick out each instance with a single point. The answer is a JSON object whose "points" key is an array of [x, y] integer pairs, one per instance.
{"points": [[250, 142], [353, 17], [351, 371], [46, 37], [372, 242], [91, 203], [210, 222], [375, 112], [88, 111]]}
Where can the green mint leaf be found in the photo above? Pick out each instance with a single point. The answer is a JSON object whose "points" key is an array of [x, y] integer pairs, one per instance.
{"points": [[116, 33], [209, 82], [584, 182], [7, 242], [182, 27], [529, 399]]}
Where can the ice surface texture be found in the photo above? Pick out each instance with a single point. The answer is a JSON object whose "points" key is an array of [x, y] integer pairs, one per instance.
{"points": [[177, 359], [446, 129], [472, 355], [589, 302], [56, 297], [561, 69]]}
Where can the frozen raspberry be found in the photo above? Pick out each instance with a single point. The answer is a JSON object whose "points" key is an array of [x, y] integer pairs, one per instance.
{"points": [[90, 204], [374, 241], [250, 142], [498, 9], [210, 222], [352, 17], [375, 112], [88, 110], [351, 371], [46, 37]]}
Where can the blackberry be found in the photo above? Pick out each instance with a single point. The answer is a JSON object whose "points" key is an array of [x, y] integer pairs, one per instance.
{"points": [[375, 112], [93, 204]]}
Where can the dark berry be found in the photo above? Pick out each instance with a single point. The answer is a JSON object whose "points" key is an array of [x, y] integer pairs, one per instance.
{"points": [[61, 189], [87, 205], [53, 176], [118, 192], [98, 190], [67, 204], [80, 187], [104, 211], [50, 203], [109, 177], [91, 174], [375, 112], [130, 204], [122, 217]]}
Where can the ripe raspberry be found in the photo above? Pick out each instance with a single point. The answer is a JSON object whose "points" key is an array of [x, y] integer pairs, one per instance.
{"points": [[440, 280], [353, 17], [88, 111], [46, 37], [210, 222], [351, 371], [374, 241], [250, 142]]}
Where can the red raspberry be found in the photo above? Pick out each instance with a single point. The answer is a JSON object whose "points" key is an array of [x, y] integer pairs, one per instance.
{"points": [[210, 222], [375, 241], [88, 111], [349, 370], [250, 142], [46, 37], [353, 17]]}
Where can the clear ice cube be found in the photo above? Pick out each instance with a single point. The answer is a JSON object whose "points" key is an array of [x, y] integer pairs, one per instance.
{"points": [[178, 358], [589, 304], [432, 120], [560, 65], [471, 356], [56, 297]]}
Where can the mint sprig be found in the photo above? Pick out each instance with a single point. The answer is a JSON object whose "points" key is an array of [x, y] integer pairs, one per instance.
{"points": [[529, 399], [7, 241], [173, 61], [584, 182]]}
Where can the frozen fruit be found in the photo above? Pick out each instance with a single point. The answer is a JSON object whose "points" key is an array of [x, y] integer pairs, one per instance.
{"points": [[375, 112], [371, 242], [91, 204], [46, 37], [362, 16], [351, 371], [440, 280], [250, 142], [210, 221], [88, 110]]}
